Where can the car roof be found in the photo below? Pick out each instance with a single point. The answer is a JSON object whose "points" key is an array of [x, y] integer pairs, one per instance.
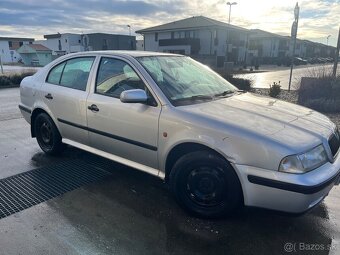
{"points": [[126, 53]]}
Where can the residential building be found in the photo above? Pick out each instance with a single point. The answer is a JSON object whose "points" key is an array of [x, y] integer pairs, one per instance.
{"points": [[270, 48], [101, 41], [208, 40], [35, 54], [62, 44], [66, 43], [8, 47]]}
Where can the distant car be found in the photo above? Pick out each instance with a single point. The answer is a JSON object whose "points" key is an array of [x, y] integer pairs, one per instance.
{"points": [[300, 61], [170, 116], [321, 60]]}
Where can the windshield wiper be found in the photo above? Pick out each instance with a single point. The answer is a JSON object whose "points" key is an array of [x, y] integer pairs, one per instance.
{"points": [[225, 93], [228, 93], [195, 97]]}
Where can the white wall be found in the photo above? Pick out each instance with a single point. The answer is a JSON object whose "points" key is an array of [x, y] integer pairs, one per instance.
{"points": [[7, 55], [207, 43], [69, 43], [140, 45]]}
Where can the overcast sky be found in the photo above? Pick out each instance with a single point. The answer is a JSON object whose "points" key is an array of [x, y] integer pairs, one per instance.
{"points": [[34, 18]]}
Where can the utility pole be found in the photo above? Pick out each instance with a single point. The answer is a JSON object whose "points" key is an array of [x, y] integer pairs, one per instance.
{"points": [[336, 57], [2, 68], [293, 37], [230, 4]]}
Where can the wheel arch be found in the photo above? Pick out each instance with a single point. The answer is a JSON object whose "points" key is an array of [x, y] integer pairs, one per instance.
{"points": [[181, 149]]}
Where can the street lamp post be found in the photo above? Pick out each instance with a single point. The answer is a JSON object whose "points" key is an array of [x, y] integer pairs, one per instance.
{"points": [[230, 4], [293, 37], [328, 39], [129, 29]]}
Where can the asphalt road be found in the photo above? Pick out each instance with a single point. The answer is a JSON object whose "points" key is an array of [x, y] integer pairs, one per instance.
{"points": [[281, 74], [133, 213]]}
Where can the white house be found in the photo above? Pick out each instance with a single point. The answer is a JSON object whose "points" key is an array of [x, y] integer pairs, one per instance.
{"points": [[8, 47], [200, 37], [62, 44]]}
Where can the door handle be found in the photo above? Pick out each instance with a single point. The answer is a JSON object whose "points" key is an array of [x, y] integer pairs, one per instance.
{"points": [[49, 96], [93, 108]]}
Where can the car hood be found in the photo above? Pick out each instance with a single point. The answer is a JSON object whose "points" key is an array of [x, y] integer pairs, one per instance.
{"points": [[285, 122]]}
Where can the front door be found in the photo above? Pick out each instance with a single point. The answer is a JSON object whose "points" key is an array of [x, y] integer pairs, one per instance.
{"points": [[127, 130]]}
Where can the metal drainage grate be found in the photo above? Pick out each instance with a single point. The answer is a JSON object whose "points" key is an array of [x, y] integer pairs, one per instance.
{"points": [[21, 191]]}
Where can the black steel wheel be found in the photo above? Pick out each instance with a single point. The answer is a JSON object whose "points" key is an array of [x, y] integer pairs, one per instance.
{"points": [[47, 134], [206, 185]]}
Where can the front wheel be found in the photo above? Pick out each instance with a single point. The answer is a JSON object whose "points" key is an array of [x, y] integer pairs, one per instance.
{"points": [[47, 134], [206, 185]]}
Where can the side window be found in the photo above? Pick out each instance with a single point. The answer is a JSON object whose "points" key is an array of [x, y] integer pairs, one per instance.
{"points": [[76, 73], [114, 76], [55, 74]]}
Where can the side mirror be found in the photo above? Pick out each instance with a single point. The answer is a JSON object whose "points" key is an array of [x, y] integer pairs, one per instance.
{"points": [[133, 96]]}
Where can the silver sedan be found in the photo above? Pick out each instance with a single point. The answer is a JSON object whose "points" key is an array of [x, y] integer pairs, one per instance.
{"points": [[219, 148]]}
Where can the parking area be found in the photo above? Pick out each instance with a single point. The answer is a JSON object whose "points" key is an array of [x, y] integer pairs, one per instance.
{"points": [[129, 212]]}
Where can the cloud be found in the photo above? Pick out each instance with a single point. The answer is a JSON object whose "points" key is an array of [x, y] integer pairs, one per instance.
{"points": [[34, 18]]}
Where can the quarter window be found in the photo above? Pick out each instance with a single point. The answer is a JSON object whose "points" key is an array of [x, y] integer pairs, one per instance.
{"points": [[55, 74], [114, 76]]}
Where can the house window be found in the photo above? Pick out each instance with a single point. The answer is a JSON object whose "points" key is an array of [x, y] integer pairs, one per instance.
{"points": [[187, 34], [10, 44], [172, 35], [196, 34], [215, 37], [156, 37], [21, 43], [79, 41], [66, 40], [104, 44]]}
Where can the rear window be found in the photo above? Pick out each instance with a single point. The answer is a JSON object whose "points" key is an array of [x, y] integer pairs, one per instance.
{"points": [[73, 73]]}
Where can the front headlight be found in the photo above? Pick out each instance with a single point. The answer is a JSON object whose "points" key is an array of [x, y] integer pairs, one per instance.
{"points": [[304, 162]]}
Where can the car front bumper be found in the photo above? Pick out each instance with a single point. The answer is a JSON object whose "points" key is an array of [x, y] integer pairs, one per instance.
{"points": [[293, 193]]}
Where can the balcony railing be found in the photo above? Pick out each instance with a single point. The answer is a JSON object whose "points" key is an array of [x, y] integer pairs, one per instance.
{"points": [[193, 42]]}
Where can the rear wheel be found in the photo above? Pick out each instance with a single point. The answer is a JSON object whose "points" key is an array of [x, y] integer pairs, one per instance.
{"points": [[47, 134], [206, 185]]}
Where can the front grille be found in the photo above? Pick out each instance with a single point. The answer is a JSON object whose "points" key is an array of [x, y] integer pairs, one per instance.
{"points": [[334, 142]]}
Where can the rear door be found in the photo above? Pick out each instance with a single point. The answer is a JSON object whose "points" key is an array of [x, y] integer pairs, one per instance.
{"points": [[127, 130], [65, 92]]}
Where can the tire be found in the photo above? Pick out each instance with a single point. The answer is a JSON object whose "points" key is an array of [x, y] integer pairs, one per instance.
{"points": [[206, 185], [47, 135]]}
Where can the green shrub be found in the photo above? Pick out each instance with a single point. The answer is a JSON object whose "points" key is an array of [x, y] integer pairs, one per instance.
{"points": [[5, 81], [240, 83], [14, 79], [275, 90]]}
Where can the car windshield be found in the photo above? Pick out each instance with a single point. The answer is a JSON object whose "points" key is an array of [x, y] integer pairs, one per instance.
{"points": [[185, 81]]}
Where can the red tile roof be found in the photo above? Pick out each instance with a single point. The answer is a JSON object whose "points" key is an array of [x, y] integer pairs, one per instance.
{"points": [[39, 47]]}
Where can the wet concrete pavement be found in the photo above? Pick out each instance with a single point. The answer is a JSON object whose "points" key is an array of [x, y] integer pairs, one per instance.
{"points": [[133, 213]]}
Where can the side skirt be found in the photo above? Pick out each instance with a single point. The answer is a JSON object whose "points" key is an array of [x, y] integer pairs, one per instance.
{"points": [[118, 159]]}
